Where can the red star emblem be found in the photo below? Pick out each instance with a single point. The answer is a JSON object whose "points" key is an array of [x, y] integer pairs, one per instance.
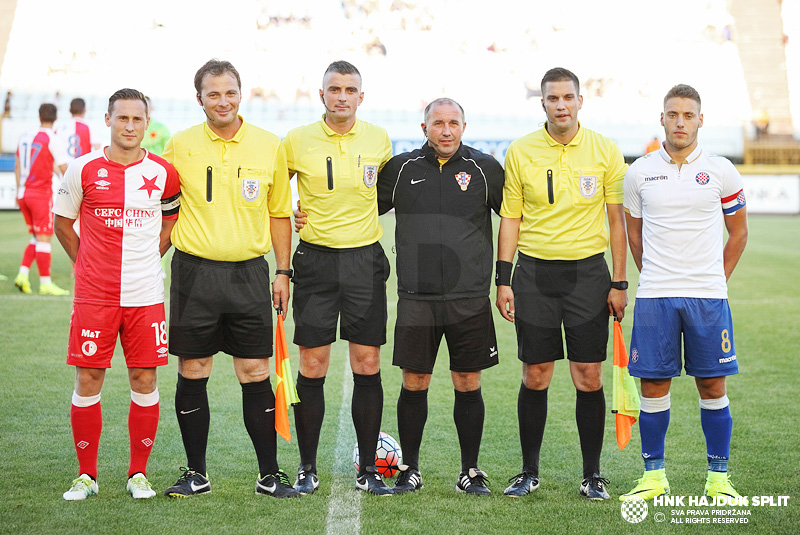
{"points": [[149, 185]]}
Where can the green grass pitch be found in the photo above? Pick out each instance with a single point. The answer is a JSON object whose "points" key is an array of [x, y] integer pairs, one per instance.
{"points": [[37, 461]]}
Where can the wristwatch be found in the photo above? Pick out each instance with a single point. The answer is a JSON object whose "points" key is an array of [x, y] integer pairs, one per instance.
{"points": [[288, 272], [619, 285]]}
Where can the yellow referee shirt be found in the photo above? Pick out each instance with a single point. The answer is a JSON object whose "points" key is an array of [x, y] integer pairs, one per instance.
{"points": [[336, 177], [560, 192], [229, 190]]}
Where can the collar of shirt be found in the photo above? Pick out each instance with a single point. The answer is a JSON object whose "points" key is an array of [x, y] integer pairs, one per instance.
{"points": [[692, 157], [235, 139], [330, 132], [574, 142]]}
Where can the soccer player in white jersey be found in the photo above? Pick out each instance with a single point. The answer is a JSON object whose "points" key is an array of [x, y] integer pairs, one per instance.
{"points": [[677, 201], [75, 132], [128, 201]]}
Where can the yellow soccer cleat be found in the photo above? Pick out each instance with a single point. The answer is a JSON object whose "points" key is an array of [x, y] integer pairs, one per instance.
{"points": [[719, 484], [23, 283], [50, 288], [653, 483]]}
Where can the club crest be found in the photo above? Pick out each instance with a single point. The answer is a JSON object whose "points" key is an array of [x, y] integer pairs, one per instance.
{"points": [[370, 175], [702, 178], [463, 180], [250, 188], [588, 185]]}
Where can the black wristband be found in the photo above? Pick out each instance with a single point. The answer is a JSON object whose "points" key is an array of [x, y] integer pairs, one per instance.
{"points": [[502, 274], [619, 285], [288, 272]]}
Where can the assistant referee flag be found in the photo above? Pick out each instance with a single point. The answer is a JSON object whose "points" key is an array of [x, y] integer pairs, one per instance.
{"points": [[625, 398], [286, 393]]}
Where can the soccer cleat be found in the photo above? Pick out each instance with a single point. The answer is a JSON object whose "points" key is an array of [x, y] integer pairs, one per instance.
{"points": [[473, 481], [189, 484], [307, 481], [276, 485], [372, 482], [719, 484], [82, 487], [653, 483], [408, 480], [522, 484], [23, 283], [594, 488], [50, 288], [139, 487]]}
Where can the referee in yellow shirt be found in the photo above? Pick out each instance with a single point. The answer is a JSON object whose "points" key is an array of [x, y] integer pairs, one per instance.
{"points": [[340, 269], [560, 182], [237, 206]]}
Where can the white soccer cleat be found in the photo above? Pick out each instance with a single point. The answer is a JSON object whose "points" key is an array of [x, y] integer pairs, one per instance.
{"points": [[139, 487], [82, 487]]}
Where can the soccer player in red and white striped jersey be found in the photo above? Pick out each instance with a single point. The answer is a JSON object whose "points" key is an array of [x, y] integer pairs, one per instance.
{"points": [[127, 200], [75, 132], [39, 156]]}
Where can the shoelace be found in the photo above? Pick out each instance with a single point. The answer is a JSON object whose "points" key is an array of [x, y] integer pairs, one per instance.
{"points": [[141, 483], [404, 477], [519, 478], [602, 480], [80, 484], [283, 478], [479, 479]]}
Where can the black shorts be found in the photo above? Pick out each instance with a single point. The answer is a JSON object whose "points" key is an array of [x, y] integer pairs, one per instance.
{"points": [[467, 325], [549, 293], [220, 306], [329, 283]]}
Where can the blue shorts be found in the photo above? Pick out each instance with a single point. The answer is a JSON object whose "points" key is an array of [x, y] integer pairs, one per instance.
{"points": [[707, 329]]}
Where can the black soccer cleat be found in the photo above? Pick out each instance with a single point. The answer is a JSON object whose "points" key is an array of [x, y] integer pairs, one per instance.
{"points": [[189, 484], [593, 488], [408, 480], [276, 485], [473, 481], [522, 484], [307, 481], [372, 482]]}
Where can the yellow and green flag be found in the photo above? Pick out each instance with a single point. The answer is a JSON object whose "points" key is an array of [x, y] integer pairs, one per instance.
{"points": [[625, 398], [285, 391]]}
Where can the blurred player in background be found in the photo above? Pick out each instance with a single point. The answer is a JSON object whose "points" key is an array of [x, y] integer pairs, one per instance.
{"points": [[236, 205], [560, 182], [678, 200], [443, 195], [40, 155], [340, 269], [75, 132], [157, 134], [128, 201]]}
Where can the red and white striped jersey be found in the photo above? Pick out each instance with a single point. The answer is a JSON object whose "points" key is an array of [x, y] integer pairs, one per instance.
{"points": [[38, 153], [76, 136], [120, 209]]}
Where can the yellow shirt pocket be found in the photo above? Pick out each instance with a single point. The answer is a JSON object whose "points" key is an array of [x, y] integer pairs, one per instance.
{"points": [[252, 185], [587, 186], [539, 186], [319, 174]]}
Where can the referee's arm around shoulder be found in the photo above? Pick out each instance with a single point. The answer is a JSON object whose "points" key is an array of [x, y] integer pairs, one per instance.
{"points": [[387, 180]]}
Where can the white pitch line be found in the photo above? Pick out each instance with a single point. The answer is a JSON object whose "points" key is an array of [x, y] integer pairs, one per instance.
{"points": [[344, 508]]}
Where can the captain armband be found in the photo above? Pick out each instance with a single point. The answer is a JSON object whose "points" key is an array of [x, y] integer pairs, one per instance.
{"points": [[171, 205], [502, 276]]}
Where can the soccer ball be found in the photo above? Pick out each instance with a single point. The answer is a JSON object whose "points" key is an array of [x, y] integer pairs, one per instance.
{"points": [[387, 455]]}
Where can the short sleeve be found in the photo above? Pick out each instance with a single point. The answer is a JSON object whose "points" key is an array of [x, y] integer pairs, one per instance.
{"points": [[279, 201], [70, 193], [615, 175], [633, 199], [512, 188]]}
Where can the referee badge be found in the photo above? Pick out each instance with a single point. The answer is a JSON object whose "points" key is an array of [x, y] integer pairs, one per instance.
{"points": [[463, 180], [370, 175], [250, 188], [588, 186]]}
